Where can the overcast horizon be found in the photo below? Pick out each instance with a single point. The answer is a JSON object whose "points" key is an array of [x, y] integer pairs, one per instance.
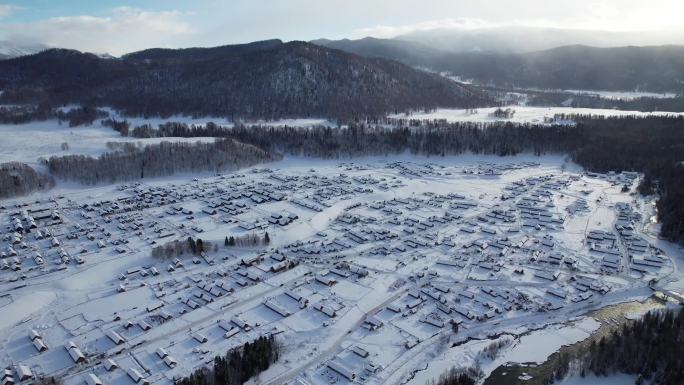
{"points": [[118, 27]]}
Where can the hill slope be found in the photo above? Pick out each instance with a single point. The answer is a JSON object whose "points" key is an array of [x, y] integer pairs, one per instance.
{"points": [[520, 39], [9, 49], [653, 68], [267, 79], [408, 52]]}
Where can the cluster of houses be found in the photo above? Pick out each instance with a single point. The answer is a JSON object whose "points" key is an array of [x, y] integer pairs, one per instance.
{"points": [[31, 237], [445, 248], [21, 373]]}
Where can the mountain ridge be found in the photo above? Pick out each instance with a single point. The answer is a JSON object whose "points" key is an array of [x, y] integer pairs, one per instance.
{"points": [[268, 79], [10, 49], [629, 68]]}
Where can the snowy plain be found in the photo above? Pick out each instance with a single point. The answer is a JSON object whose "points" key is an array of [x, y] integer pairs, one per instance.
{"points": [[624, 95], [523, 114], [31, 141]]}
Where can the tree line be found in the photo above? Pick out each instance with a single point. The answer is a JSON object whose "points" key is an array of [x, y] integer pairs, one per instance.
{"points": [[360, 138], [238, 365], [120, 126], [456, 376], [26, 113], [645, 103], [131, 162], [247, 240], [177, 129], [178, 248], [651, 348], [18, 179], [20, 114]]}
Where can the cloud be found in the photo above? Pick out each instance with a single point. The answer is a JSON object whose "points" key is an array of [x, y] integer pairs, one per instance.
{"points": [[8, 9], [126, 29], [387, 31], [120, 30], [597, 15], [475, 24]]}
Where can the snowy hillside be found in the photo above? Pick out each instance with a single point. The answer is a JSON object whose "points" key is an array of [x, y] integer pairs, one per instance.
{"points": [[10, 49]]}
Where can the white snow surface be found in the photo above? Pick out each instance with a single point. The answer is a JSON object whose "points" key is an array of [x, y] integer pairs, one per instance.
{"points": [[31, 141], [537, 346], [23, 306], [624, 95], [523, 114]]}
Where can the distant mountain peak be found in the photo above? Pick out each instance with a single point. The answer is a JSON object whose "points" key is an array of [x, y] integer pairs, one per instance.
{"points": [[10, 49], [201, 53], [573, 66]]}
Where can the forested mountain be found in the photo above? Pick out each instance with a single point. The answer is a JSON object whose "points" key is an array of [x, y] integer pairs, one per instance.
{"points": [[653, 68], [521, 38], [200, 53], [411, 53], [267, 79], [580, 67]]}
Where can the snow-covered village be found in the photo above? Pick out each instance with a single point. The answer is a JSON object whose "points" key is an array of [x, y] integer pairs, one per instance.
{"points": [[325, 192], [363, 270]]}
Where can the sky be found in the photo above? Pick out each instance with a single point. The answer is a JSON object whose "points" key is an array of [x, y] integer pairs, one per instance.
{"points": [[118, 27]]}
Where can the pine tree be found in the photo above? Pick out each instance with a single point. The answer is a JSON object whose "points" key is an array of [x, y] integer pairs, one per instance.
{"points": [[192, 245]]}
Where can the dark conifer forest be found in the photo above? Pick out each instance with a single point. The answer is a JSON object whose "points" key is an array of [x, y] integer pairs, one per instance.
{"points": [[651, 348], [130, 162], [457, 377], [238, 365], [265, 80], [19, 179]]}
